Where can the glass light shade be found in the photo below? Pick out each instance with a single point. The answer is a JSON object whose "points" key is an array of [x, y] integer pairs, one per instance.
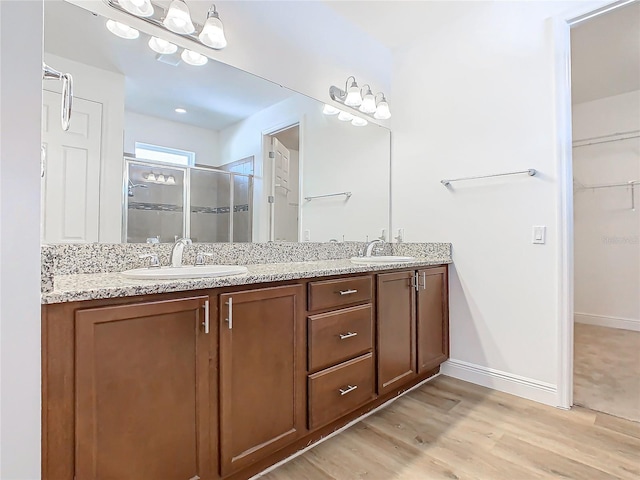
{"points": [[178, 18], [382, 111], [368, 103], [149, 177], [359, 122], [121, 30], [193, 58], [354, 99], [160, 45], [330, 110], [160, 178], [212, 33], [171, 180], [141, 8], [345, 116]]}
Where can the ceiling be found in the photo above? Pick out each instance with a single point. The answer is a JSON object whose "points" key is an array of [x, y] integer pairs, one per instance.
{"points": [[605, 55], [215, 95]]}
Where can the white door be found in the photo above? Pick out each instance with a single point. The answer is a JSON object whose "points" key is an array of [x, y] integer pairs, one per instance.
{"points": [[280, 192], [71, 183]]}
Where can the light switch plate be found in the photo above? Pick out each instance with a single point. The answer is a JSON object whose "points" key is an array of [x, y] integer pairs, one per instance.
{"points": [[307, 235], [539, 235]]}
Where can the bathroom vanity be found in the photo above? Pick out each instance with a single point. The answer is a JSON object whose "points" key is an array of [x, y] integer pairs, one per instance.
{"points": [[228, 376]]}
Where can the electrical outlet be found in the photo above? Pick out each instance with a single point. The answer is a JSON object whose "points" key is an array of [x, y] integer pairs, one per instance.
{"points": [[307, 235]]}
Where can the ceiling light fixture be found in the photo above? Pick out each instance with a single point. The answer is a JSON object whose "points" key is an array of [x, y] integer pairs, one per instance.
{"points": [[212, 33], [374, 106], [176, 19], [162, 46], [141, 8], [193, 58], [121, 30], [180, 110]]}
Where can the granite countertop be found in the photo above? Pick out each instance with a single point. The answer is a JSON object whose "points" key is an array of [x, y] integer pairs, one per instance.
{"points": [[93, 286]]}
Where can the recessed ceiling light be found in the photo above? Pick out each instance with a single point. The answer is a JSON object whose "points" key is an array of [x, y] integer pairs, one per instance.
{"points": [[180, 110]]}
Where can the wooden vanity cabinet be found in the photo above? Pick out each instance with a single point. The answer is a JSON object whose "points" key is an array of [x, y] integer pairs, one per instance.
{"points": [[413, 325], [142, 391], [262, 373]]}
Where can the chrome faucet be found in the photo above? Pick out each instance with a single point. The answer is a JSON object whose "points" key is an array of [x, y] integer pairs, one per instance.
{"points": [[368, 250], [176, 252]]}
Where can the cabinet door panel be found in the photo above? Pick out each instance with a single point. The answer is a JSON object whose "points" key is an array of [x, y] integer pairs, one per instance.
{"points": [[396, 330], [432, 318], [262, 374], [142, 391]]}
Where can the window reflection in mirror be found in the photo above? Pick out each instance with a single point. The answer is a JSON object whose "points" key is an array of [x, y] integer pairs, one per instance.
{"points": [[258, 150]]}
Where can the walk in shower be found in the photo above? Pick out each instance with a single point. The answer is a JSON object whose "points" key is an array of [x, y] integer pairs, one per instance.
{"points": [[163, 202]]}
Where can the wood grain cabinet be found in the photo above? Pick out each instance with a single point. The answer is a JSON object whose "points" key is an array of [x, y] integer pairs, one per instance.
{"points": [[141, 391], [262, 373], [413, 325]]}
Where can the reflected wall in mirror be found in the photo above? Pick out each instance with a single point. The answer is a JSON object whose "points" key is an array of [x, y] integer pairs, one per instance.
{"points": [[160, 149]]}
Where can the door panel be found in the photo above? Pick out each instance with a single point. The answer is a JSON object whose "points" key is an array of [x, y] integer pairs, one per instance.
{"points": [[262, 373], [142, 386], [396, 330], [71, 191], [432, 318]]}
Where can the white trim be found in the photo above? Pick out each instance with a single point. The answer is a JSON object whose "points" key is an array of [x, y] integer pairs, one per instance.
{"points": [[503, 381], [340, 430], [632, 324], [561, 26]]}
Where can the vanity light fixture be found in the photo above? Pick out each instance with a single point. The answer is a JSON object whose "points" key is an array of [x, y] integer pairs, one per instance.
{"points": [[162, 46], [345, 116], [193, 58], [121, 30], [149, 177], [141, 8], [171, 180], [375, 106], [176, 19], [330, 110], [161, 178], [212, 33], [359, 122]]}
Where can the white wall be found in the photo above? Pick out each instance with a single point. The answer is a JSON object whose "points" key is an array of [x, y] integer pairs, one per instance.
{"points": [[607, 231], [20, 109], [107, 88], [158, 131], [334, 157], [475, 96]]}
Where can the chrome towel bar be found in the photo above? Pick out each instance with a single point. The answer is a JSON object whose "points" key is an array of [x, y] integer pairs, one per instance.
{"points": [[531, 172]]}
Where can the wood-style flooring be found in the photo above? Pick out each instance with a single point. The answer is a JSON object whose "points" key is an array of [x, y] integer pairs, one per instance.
{"points": [[606, 371], [450, 429]]}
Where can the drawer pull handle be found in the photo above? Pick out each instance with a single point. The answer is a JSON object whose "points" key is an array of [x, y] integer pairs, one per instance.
{"points": [[348, 292], [229, 319], [349, 389], [348, 335]]}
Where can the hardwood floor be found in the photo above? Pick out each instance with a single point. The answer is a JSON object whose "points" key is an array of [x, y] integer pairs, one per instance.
{"points": [[450, 429], [607, 370]]}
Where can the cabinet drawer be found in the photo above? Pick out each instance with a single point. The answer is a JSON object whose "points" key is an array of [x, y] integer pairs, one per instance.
{"points": [[339, 390], [336, 293], [339, 335]]}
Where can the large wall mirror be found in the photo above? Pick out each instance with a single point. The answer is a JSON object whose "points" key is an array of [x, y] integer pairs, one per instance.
{"points": [[159, 149]]}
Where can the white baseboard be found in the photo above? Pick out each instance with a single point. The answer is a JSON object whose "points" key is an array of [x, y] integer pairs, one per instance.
{"points": [[505, 382], [605, 321]]}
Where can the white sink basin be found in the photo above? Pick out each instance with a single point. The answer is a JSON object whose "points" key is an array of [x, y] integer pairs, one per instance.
{"points": [[168, 273], [382, 259]]}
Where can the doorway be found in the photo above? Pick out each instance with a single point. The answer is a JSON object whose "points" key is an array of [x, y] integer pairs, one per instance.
{"points": [[284, 185], [606, 171], [600, 224]]}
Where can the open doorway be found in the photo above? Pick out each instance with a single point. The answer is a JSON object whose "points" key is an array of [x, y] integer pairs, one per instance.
{"points": [[283, 162], [605, 122]]}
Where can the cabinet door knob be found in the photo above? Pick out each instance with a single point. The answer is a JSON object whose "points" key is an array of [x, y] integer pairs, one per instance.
{"points": [[348, 292], [348, 335], [349, 389], [229, 319], [205, 323]]}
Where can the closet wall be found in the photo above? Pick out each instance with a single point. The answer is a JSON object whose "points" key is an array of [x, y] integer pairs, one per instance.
{"points": [[607, 230]]}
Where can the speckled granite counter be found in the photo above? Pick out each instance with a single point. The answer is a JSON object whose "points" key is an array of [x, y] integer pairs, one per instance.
{"points": [[93, 286]]}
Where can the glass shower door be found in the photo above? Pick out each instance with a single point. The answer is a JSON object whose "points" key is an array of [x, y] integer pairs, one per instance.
{"points": [[210, 200], [154, 199]]}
